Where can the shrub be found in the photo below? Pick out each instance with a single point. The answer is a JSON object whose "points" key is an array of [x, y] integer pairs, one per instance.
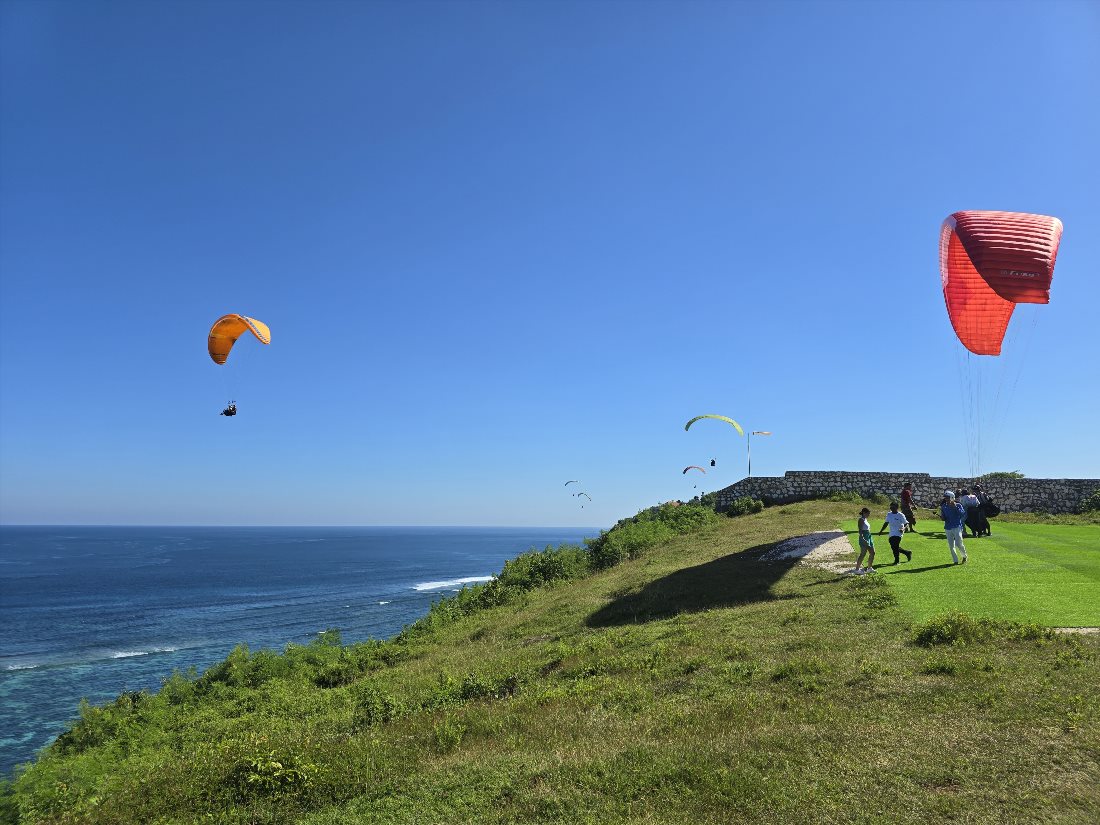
{"points": [[535, 568], [626, 542], [957, 628], [951, 628], [373, 707], [538, 568], [939, 666], [630, 537], [1002, 474], [744, 506], [848, 496], [273, 774], [1091, 503], [98, 725], [856, 497], [448, 734]]}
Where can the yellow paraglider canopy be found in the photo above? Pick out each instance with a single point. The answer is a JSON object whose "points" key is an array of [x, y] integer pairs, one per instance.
{"points": [[725, 418], [226, 331]]}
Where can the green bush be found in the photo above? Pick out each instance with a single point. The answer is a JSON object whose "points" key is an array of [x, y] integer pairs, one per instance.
{"points": [[952, 629], [744, 506], [530, 570], [957, 628], [9, 808], [448, 734], [939, 666], [1090, 504], [538, 568], [847, 496], [1002, 474], [99, 725], [373, 707], [273, 774], [630, 537], [856, 497]]}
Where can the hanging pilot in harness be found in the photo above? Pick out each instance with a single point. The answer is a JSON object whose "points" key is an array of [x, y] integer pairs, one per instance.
{"points": [[230, 410]]}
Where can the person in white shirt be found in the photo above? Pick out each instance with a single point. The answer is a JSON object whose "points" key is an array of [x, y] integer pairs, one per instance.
{"points": [[896, 522], [973, 512]]}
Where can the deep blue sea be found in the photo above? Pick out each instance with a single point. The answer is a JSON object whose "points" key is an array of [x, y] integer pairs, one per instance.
{"points": [[95, 611]]}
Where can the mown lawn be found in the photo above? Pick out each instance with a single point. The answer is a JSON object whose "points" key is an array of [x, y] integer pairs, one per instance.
{"points": [[1043, 573]]}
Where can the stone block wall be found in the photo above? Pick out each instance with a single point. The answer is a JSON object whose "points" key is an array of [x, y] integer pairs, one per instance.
{"points": [[1024, 495]]}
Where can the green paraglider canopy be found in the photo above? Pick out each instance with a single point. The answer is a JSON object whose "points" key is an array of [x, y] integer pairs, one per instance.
{"points": [[725, 418]]}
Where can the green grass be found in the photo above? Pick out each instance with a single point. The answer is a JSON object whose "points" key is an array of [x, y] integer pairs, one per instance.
{"points": [[1042, 573], [694, 683]]}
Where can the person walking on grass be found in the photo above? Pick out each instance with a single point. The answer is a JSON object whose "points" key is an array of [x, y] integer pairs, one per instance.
{"points": [[954, 516], [985, 503], [973, 509], [866, 544], [907, 505], [897, 523]]}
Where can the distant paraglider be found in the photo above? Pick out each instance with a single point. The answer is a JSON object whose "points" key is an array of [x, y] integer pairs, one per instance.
{"points": [[725, 418], [693, 467], [574, 481]]}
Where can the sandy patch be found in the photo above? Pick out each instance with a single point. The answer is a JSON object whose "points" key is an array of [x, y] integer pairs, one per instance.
{"points": [[828, 550]]}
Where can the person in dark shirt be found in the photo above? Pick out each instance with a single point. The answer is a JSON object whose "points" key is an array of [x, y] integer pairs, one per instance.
{"points": [[907, 505], [984, 505]]}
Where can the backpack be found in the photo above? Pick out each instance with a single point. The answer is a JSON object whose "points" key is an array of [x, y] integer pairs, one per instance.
{"points": [[991, 509]]}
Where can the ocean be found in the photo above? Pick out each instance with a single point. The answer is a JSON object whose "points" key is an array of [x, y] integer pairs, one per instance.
{"points": [[91, 612]]}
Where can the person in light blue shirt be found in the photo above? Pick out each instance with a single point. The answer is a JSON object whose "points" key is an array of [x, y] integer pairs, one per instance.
{"points": [[954, 517], [866, 544]]}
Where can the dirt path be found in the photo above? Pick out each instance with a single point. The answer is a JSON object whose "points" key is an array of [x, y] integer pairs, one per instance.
{"points": [[827, 550]]}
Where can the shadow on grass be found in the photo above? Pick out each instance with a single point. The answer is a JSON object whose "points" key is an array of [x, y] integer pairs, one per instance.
{"points": [[917, 569], [739, 578]]}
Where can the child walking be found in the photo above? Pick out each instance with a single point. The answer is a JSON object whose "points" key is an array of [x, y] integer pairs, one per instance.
{"points": [[897, 523], [866, 544]]}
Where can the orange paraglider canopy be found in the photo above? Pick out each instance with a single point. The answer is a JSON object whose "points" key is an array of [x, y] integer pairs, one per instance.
{"points": [[989, 262], [226, 331]]}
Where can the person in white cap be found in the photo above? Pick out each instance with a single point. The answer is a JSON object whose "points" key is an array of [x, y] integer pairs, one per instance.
{"points": [[954, 516]]}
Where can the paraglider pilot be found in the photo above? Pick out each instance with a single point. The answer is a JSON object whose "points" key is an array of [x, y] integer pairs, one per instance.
{"points": [[230, 410]]}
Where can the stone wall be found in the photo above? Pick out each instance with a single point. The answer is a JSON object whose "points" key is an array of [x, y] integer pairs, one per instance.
{"points": [[1026, 495]]}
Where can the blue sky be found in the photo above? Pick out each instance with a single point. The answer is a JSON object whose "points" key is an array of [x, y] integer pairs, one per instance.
{"points": [[504, 245]]}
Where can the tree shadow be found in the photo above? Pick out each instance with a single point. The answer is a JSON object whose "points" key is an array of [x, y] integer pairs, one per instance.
{"points": [[736, 579]]}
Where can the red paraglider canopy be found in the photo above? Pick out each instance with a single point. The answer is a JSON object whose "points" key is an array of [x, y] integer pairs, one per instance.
{"points": [[989, 262]]}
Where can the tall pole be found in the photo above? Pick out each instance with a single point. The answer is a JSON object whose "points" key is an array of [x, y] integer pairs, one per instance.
{"points": [[748, 445]]}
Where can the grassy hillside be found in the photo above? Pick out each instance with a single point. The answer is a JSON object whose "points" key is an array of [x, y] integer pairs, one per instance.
{"points": [[693, 683]]}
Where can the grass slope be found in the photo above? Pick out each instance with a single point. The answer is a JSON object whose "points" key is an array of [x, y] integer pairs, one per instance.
{"points": [[694, 683], [1049, 574]]}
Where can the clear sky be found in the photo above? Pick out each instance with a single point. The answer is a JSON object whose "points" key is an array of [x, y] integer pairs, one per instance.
{"points": [[501, 245]]}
